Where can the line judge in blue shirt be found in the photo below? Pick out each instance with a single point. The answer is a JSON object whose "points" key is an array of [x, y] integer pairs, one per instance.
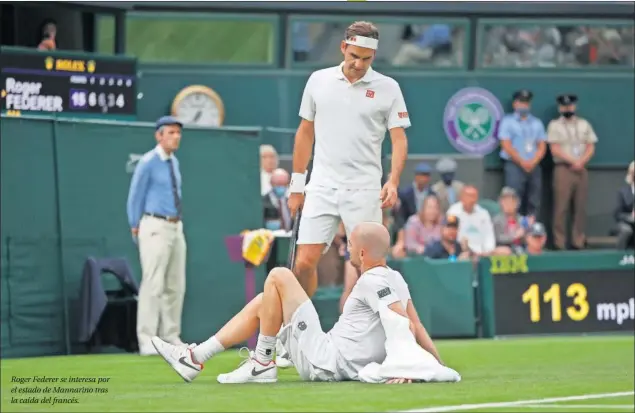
{"points": [[523, 144], [154, 216]]}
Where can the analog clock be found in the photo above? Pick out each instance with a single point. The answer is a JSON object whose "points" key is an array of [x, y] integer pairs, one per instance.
{"points": [[199, 105]]}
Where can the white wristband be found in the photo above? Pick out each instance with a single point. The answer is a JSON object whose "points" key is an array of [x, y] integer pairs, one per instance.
{"points": [[298, 181]]}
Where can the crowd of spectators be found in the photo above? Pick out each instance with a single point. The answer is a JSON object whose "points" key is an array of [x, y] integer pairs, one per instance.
{"points": [[501, 45], [557, 46]]}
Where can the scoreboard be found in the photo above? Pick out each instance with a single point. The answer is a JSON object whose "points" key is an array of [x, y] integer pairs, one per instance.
{"points": [[50, 83]]}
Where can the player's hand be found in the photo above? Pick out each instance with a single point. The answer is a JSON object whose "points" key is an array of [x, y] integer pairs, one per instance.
{"points": [[295, 202], [388, 195], [399, 381]]}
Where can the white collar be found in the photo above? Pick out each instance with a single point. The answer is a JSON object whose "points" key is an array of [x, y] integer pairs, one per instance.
{"points": [[367, 78], [162, 154]]}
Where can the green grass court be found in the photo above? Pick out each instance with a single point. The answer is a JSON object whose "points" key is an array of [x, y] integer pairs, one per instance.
{"points": [[528, 370]]}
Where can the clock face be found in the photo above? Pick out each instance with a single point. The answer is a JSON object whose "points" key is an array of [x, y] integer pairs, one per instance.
{"points": [[198, 108]]}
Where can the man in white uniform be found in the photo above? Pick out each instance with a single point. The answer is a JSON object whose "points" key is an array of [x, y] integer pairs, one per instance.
{"points": [[356, 340], [346, 111]]}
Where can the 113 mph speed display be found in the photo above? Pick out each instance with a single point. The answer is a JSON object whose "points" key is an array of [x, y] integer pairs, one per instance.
{"points": [[37, 82]]}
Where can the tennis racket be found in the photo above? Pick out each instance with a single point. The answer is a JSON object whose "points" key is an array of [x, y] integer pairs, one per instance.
{"points": [[293, 240]]}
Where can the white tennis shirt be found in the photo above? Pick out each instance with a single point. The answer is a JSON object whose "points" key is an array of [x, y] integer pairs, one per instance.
{"points": [[350, 121]]}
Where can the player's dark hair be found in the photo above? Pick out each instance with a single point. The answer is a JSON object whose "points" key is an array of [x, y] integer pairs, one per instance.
{"points": [[362, 28]]}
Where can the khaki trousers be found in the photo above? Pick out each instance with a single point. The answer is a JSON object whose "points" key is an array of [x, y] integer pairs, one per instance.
{"points": [[162, 251], [569, 184]]}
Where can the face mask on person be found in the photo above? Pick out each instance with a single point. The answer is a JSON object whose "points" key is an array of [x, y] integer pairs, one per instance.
{"points": [[280, 191], [567, 114], [447, 178], [273, 225], [522, 111]]}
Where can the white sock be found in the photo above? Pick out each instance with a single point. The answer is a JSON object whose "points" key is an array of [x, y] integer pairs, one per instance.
{"points": [[265, 348], [207, 350]]}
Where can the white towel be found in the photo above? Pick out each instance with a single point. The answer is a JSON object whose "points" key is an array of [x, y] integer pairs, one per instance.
{"points": [[404, 357]]}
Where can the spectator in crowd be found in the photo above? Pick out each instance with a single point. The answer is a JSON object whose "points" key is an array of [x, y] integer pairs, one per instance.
{"points": [[434, 39], [509, 226], [423, 227], [572, 143], [476, 230], [48, 33], [624, 211], [535, 239], [412, 196], [522, 137], [268, 162], [448, 246], [448, 188], [276, 212]]}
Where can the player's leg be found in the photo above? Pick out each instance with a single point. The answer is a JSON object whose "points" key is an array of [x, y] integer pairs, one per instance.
{"points": [[276, 299], [281, 297], [350, 278], [316, 232], [318, 226]]}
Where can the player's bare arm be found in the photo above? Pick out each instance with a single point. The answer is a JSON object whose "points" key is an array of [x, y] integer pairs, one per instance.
{"points": [[302, 148], [398, 161], [420, 332]]}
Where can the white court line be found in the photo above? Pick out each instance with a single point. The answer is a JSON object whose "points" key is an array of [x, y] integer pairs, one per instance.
{"points": [[580, 406], [460, 407]]}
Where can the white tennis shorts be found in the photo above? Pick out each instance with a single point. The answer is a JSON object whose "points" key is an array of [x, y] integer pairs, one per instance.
{"points": [[325, 207], [312, 352]]}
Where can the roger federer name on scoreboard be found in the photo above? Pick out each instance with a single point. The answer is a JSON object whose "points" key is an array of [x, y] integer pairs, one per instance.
{"points": [[26, 96]]}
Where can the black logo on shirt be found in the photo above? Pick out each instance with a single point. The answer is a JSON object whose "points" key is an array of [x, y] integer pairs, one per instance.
{"points": [[302, 326], [384, 292]]}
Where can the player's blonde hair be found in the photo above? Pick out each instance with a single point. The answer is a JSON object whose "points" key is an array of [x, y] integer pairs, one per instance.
{"points": [[629, 173], [362, 28]]}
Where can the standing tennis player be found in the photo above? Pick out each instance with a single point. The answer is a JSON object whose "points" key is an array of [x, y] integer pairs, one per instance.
{"points": [[345, 112]]}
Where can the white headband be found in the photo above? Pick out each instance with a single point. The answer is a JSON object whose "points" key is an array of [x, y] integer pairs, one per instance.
{"points": [[362, 41]]}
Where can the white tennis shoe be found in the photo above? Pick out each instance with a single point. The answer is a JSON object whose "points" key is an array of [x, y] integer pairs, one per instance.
{"points": [[179, 357], [251, 370]]}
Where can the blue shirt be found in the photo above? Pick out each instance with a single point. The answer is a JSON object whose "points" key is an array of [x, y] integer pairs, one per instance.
{"points": [[151, 187], [524, 135], [435, 35]]}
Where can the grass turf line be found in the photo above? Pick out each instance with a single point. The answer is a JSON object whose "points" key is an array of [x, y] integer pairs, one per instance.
{"points": [[492, 370]]}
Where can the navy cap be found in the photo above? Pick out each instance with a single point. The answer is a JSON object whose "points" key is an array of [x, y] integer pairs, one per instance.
{"points": [[523, 95], [423, 169], [567, 99], [537, 229], [168, 120], [450, 221]]}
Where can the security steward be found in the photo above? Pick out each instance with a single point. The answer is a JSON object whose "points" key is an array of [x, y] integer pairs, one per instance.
{"points": [[523, 145], [572, 143], [154, 216]]}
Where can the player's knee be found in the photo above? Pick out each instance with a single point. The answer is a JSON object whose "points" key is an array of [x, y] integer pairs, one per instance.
{"points": [[304, 265], [280, 275]]}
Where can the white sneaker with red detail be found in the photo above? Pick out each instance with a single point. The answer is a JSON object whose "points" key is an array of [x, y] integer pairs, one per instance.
{"points": [[179, 357], [251, 370]]}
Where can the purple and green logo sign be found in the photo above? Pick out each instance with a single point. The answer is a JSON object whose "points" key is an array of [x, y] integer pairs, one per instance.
{"points": [[471, 120]]}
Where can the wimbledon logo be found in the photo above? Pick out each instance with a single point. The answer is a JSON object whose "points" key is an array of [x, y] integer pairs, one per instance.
{"points": [[471, 120]]}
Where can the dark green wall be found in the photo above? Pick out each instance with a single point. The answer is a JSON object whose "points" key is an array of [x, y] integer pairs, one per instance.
{"points": [[272, 98], [64, 191]]}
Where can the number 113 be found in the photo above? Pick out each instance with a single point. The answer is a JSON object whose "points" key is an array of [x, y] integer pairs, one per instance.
{"points": [[577, 312]]}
